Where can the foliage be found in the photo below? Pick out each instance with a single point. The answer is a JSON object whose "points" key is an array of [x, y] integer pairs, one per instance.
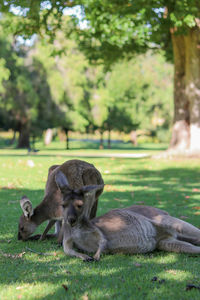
{"points": [[65, 77], [121, 28], [115, 28], [62, 89], [23, 102], [141, 94]]}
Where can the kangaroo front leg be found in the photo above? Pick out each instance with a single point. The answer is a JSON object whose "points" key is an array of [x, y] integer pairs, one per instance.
{"points": [[173, 245], [102, 244], [61, 234], [68, 249], [49, 225]]}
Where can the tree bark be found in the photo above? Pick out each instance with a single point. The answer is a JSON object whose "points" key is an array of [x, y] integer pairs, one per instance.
{"points": [[67, 138], [48, 136], [24, 136], [186, 127], [109, 138], [12, 141], [180, 130], [192, 43], [133, 137], [101, 140]]}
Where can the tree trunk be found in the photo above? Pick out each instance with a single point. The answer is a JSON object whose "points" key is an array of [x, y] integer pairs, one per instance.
{"points": [[192, 42], [186, 127], [33, 142], [101, 140], [180, 131], [67, 138], [133, 136], [109, 138], [24, 136], [48, 136], [12, 141]]}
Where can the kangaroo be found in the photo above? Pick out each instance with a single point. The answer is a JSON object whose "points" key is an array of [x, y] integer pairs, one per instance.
{"points": [[79, 174], [135, 229]]}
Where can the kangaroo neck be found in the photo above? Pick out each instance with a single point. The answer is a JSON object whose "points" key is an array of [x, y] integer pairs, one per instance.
{"points": [[40, 214], [50, 208]]}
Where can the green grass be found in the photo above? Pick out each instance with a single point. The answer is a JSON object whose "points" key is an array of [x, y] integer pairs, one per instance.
{"points": [[172, 185]]}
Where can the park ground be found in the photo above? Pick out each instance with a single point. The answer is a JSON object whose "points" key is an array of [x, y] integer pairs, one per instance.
{"points": [[169, 184]]}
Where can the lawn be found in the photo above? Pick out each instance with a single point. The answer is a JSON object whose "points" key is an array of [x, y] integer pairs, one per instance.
{"points": [[173, 185]]}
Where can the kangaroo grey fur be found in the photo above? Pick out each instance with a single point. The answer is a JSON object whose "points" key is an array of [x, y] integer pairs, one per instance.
{"points": [[78, 173], [136, 229]]}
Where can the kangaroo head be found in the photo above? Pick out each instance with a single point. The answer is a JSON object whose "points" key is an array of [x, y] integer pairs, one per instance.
{"points": [[77, 202], [26, 225]]}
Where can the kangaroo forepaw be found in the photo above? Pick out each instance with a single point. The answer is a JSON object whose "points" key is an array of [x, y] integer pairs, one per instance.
{"points": [[88, 259]]}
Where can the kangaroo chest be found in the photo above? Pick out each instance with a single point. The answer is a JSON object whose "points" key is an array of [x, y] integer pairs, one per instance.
{"points": [[84, 239]]}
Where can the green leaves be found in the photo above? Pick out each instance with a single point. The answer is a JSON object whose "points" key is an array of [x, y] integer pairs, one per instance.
{"points": [[4, 74], [190, 20]]}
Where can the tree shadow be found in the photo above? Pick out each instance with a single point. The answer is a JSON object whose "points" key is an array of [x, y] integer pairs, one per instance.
{"points": [[115, 276]]}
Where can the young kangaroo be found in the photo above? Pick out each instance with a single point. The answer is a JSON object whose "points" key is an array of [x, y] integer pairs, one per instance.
{"points": [[79, 174], [136, 229]]}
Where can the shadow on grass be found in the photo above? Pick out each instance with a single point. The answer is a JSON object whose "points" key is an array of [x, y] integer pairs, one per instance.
{"points": [[115, 276]]}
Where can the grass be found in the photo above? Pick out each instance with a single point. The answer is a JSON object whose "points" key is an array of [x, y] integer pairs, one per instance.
{"points": [[172, 185]]}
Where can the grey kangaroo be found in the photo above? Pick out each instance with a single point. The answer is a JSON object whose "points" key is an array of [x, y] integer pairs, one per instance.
{"points": [[79, 175], [135, 229]]}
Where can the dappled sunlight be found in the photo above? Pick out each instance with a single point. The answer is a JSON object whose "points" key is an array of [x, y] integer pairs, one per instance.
{"points": [[176, 275]]}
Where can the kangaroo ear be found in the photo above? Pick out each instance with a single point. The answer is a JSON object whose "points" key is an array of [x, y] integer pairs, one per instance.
{"points": [[61, 181], [26, 206], [90, 194], [92, 189]]}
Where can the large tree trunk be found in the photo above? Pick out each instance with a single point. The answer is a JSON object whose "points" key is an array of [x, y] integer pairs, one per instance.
{"points": [[180, 132], [186, 127], [192, 42], [24, 136]]}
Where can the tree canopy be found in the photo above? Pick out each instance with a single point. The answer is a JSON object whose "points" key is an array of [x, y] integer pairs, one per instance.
{"points": [[121, 29]]}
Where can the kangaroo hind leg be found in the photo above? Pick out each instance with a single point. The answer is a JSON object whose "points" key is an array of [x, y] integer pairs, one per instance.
{"points": [[174, 245], [188, 239], [185, 231]]}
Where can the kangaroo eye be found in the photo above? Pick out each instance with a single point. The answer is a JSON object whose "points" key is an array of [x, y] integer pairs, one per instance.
{"points": [[22, 228]]}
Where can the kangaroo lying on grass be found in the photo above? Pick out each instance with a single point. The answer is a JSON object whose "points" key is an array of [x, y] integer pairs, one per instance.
{"points": [[136, 229], [79, 174]]}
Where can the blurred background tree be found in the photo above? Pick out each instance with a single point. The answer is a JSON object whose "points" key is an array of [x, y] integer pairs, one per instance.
{"points": [[61, 85]]}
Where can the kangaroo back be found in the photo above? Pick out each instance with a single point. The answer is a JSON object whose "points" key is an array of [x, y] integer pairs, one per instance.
{"points": [[127, 231]]}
